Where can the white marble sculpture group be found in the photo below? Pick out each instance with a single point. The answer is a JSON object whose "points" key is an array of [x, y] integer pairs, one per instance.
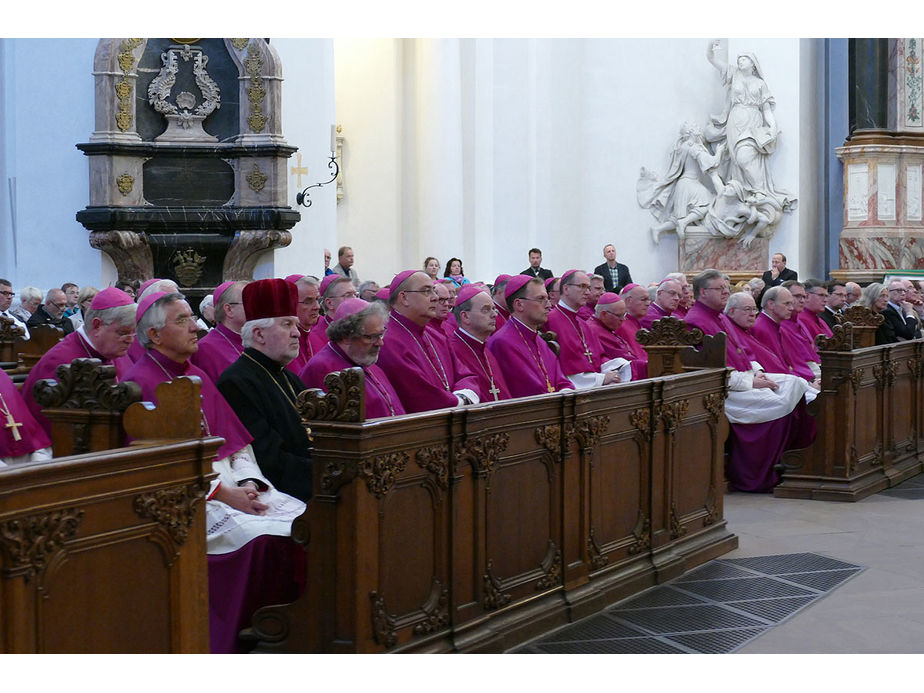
{"points": [[719, 176]]}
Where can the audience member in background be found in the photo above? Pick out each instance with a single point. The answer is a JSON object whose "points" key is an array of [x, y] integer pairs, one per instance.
{"points": [[84, 299], [107, 333], [6, 300], [72, 294], [52, 312], [30, 298], [355, 336], [853, 293], [876, 297], [327, 269], [344, 266], [913, 296], [432, 267], [899, 315], [334, 289], [500, 300], [129, 287], [778, 272], [615, 275], [454, 271], [367, 290], [207, 311], [535, 268], [837, 296]]}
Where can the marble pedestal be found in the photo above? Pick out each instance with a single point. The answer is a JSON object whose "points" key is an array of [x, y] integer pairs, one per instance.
{"points": [[701, 250]]}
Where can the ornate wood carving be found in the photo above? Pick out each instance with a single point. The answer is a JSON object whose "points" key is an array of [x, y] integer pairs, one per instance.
{"points": [[483, 452], [597, 558], [344, 401], [30, 541], [672, 413], [172, 508], [641, 420], [714, 403], [916, 366], [860, 315], [551, 566], [677, 529], [383, 623], [712, 511], [436, 610], [9, 330], [494, 597], [436, 461], [669, 332], [642, 534], [86, 384], [589, 429], [885, 373], [549, 437], [841, 340], [380, 473], [336, 474]]}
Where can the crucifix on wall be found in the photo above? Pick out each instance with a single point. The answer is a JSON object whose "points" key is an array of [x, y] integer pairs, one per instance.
{"points": [[299, 170]]}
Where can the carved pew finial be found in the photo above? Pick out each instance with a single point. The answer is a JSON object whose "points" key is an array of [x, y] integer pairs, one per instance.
{"points": [[11, 336], [344, 401], [865, 323], [85, 406], [665, 343], [841, 340]]}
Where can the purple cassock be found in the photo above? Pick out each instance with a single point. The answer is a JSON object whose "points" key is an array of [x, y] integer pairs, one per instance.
{"points": [[580, 349], [76, 345], [135, 351], [627, 331], [411, 358], [814, 325], [267, 569], [585, 312], [798, 340], [20, 433], [449, 325], [381, 398], [753, 448], [217, 350], [769, 333], [469, 354], [655, 312], [503, 315], [769, 361], [680, 313], [529, 365], [614, 346], [310, 343]]}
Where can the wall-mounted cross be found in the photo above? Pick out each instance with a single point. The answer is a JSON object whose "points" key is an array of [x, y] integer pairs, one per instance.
{"points": [[299, 171]]}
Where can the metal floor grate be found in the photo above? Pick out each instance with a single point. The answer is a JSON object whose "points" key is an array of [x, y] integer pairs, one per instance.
{"points": [[715, 609]]}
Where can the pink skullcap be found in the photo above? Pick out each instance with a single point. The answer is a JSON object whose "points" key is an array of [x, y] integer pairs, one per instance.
{"points": [[399, 280], [550, 281], [110, 298], [269, 298], [147, 284], [516, 283], [147, 302], [607, 298], [349, 307], [328, 280], [294, 277], [383, 293], [220, 289], [567, 274], [467, 292], [627, 288], [501, 278]]}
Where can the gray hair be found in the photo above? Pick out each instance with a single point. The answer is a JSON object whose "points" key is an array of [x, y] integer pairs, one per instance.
{"points": [[736, 299], [308, 280], [167, 285], [123, 315], [30, 293], [250, 326], [155, 316], [352, 325], [365, 285], [226, 297], [756, 283], [771, 294], [792, 282], [703, 278], [677, 276], [206, 302], [870, 294]]}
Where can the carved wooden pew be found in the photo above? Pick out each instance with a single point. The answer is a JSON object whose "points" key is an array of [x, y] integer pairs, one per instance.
{"points": [[477, 528], [41, 339], [869, 418], [105, 552]]}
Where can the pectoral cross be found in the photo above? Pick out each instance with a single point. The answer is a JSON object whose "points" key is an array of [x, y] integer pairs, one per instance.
{"points": [[589, 354], [494, 391], [14, 424], [550, 386]]}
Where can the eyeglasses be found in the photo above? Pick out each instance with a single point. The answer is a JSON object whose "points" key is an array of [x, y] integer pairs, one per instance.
{"points": [[444, 301], [898, 291], [431, 290], [582, 287], [7, 293], [309, 302], [749, 311], [539, 299], [375, 336], [60, 305]]}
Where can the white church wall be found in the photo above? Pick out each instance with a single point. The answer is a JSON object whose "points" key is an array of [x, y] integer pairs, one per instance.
{"points": [[47, 109]]}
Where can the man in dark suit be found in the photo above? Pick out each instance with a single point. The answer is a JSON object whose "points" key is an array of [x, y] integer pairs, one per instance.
{"points": [[837, 296], [535, 262], [900, 324], [615, 275], [778, 272]]}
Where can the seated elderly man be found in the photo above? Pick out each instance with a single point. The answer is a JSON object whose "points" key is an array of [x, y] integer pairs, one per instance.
{"points": [[52, 312], [610, 313], [263, 392], [251, 562], [355, 339], [222, 346], [816, 300], [312, 337], [799, 343], [367, 290], [637, 301], [474, 312], [767, 413], [106, 334], [6, 299], [777, 307], [147, 288], [30, 298], [22, 438], [899, 314], [667, 299], [597, 289]]}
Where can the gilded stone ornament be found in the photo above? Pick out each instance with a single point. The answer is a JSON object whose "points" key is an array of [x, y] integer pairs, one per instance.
{"points": [[123, 88], [343, 400], [187, 266], [240, 43], [256, 91], [435, 460], [172, 508], [383, 623], [30, 541], [125, 183], [256, 179]]}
